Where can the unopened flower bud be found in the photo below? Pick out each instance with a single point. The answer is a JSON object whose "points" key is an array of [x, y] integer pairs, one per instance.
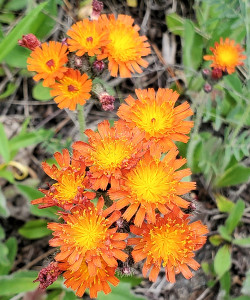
{"points": [[98, 66], [107, 101], [48, 275], [216, 74], [97, 9], [206, 73], [29, 41], [78, 62], [207, 87]]}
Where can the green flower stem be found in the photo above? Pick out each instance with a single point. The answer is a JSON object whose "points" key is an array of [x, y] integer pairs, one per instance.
{"points": [[200, 107], [81, 121]]}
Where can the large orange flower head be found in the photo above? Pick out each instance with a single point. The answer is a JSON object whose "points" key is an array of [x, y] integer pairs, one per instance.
{"points": [[155, 115], [86, 237], [110, 153], [126, 47], [87, 37], [48, 62], [226, 55], [72, 89], [170, 242], [80, 280], [153, 184], [71, 185]]}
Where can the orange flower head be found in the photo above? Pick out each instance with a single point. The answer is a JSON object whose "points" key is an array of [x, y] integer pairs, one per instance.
{"points": [[155, 115], [87, 37], [71, 185], [86, 237], [48, 62], [126, 47], [80, 280], [226, 55], [153, 184], [170, 242], [110, 152], [73, 88]]}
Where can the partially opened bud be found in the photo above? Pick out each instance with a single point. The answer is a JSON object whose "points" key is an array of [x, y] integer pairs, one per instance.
{"points": [[97, 9], [207, 87], [29, 41], [216, 74], [107, 101], [98, 66]]}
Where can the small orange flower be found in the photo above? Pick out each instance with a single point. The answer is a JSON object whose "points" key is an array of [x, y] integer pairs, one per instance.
{"points": [[226, 55], [80, 280], [87, 37], [110, 153], [73, 88], [152, 185], [48, 61], [155, 115], [170, 242], [71, 182], [126, 47], [86, 237]]}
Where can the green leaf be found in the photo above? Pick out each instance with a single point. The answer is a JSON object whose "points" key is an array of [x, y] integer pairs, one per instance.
{"points": [[70, 296], [225, 282], [224, 204], [224, 233], [34, 229], [9, 42], [11, 244], [41, 93], [222, 261], [235, 216], [237, 174], [175, 24], [32, 194], [246, 285], [194, 153], [241, 298], [192, 49], [17, 57], [215, 240], [2, 233], [16, 5], [4, 145], [18, 282], [11, 87], [120, 292], [8, 175], [243, 242], [4, 212], [4, 255], [233, 82]]}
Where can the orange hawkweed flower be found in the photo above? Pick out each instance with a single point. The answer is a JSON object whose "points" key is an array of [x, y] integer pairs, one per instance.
{"points": [[87, 37], [155, 115], [110, 152], [226, 55], [73, 88], [48, 61], [86, 237], [71, 182], [170, 242], [152, 184], [80, 280], [126, 47]]}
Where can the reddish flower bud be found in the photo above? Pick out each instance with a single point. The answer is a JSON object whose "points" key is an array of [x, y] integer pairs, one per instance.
{"points": [[29, 41], [107, 101], [216, 74], [97, 8], [64, 42], [207, 87], [48, 275], [98, 66]]}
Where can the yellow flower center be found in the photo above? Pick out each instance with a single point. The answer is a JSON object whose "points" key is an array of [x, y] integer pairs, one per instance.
{"points": [[124, 44], [70, 87], [67, 187], [111, 153], [152, 118], [227, 55], [169, 242], [90, 231], [150, 182]]}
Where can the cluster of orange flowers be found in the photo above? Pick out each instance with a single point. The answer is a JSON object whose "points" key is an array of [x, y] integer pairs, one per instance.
{"points": [[132, 171], [66, 67]]}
